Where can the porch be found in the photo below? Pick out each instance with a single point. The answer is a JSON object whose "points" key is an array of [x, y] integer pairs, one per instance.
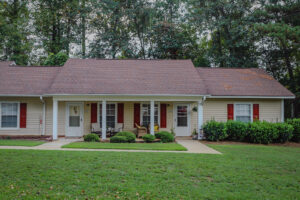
{"points": [[77, 116]]}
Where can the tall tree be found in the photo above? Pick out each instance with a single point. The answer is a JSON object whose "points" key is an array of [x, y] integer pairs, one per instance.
{"points": [[229, 25], [111, 29], [14, 32], [278, 22], [56, 24]]}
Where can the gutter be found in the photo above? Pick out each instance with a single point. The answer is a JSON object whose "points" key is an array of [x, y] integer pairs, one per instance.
{"points": [[44, 115]]}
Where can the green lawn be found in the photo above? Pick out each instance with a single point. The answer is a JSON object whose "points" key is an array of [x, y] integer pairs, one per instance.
{"points": [[241, 172], [26, 143], [132, 146]]}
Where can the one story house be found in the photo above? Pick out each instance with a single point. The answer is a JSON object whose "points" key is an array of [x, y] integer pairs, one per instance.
{"points": [[172, 94]]}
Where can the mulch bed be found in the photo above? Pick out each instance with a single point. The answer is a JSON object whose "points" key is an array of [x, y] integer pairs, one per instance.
{"points": [[287, 144]]}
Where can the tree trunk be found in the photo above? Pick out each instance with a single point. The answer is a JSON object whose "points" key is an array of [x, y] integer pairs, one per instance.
{"points": [[83, 28]]}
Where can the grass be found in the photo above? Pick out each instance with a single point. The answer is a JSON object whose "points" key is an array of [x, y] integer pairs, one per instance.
{"points": [[241, 172], [131, 146], [26, 143]]}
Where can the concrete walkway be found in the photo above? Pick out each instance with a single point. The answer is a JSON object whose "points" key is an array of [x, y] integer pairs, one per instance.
{"points": [[192, 146]]}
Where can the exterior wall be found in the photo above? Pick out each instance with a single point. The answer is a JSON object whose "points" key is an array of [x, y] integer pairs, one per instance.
{"points": [[61, 118], [216, 109], [270, 110], [34, 115]]}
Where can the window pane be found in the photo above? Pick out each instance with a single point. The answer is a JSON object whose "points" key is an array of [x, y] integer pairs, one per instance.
{"points": [[110, 115], [243, 118], [146, 114], [74, 121], [182, 118], [9, 115], [243, 112]]}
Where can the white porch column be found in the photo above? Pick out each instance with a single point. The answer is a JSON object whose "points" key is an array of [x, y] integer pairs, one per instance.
{"points": [[55, 111], [200, 118], [152, 117], [103, 119], [282, 110]]}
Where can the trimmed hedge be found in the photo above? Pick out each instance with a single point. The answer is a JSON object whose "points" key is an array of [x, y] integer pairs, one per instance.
{"points": [[92, 137], [148, 138], [215, 131], [118, 139], [165, 136], [296, 125], [256, 132], [129, 136], [236, 130]]}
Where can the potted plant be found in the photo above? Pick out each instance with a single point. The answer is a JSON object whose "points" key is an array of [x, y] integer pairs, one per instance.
{"points": [[195, 134]]}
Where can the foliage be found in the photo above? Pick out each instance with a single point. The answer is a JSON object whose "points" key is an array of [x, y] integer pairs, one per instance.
{"points": [[241, 33], [14, 32], [262, 132], [55, 23], [236, 130], [214, 131], [92, 137], [296, 125], [256, 132], [285, 132], [129, 136], [58, 59], [165, 136], [118, 139], [148, 138]]}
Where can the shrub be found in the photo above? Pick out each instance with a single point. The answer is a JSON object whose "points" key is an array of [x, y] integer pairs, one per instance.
{"points": [[214, 131], [296, 125], [236, 130], [262, 132], [165, 136], [118, 139], [129, 136], [91, 137], [148, 138], [285, 132]]}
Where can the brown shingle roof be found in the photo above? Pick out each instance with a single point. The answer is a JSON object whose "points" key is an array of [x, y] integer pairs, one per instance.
{"points": [[21, 80], [241, 82], [137, 77], [101, 76]]}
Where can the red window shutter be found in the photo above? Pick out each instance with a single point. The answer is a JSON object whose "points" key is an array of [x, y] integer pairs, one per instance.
{"points": [[230, 112], [163, 115], [94, 113], [120, 112], [255, 112], [136, 117], [23, 115]]}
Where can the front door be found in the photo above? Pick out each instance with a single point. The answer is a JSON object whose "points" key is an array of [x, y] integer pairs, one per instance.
{"points": [[74, 120], [182, 120]]}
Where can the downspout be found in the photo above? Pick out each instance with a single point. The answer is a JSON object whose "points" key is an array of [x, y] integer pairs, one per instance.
{"points": [[44, 115]]}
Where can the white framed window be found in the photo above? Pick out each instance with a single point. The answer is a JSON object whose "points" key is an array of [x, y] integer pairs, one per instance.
{"points": [[111, 115], [146, 114], [9, 115], [243, 112]]}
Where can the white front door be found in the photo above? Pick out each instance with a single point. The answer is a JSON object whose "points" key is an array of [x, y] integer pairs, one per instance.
{"points": [[74, 121], [182, 120]]}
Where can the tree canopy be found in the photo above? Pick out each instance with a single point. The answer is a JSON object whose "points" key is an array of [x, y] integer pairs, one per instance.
{"points": [[212, 33]]}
